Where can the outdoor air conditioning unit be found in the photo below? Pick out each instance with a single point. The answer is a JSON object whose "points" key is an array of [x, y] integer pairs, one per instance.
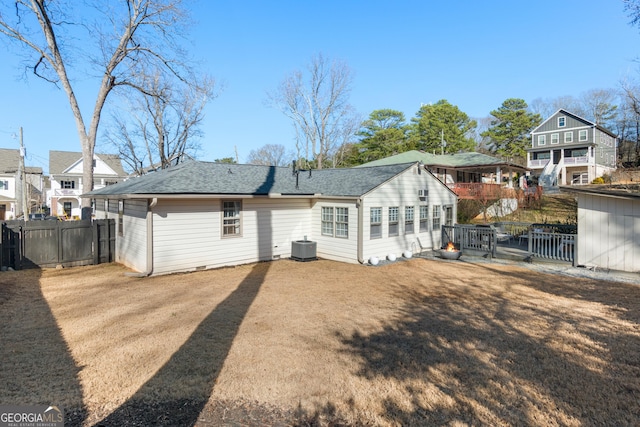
{"points": [[303, 250]]}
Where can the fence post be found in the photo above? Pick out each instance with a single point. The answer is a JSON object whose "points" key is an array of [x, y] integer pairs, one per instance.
{"points": [[95, 245]]}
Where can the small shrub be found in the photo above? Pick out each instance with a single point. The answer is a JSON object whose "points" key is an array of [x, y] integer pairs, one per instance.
{"points": [[598, 180]]}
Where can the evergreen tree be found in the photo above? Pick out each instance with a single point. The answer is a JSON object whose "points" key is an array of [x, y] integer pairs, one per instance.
{"points": [[510, 128], [441, 128]]}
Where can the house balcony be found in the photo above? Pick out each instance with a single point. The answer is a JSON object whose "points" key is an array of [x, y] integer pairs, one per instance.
{"points": [[480, 191], [576, 161], [537, 164], [64, 192]]}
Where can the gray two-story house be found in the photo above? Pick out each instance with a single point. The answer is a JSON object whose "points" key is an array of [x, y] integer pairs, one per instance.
{"points": [[569, 150]]}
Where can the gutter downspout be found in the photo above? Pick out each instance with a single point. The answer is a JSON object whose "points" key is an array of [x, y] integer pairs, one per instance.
{"points": [[149, 270], [360, 232]]}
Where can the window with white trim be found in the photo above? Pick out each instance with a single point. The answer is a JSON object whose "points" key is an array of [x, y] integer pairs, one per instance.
{"points": [[327, 221], [120, 216], [555, 138], [542, 139], [568, 136], [375, 227], [424, 219], [562, 121], [231, 218], [582, 135], [436, 217], [69, 185], [408, 219], [448, 215], [4, 185], [394, 228], [342, 222], [334, 222]]}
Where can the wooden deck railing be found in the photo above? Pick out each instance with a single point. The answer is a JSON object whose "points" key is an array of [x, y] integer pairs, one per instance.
{"points": [[481, 191]]}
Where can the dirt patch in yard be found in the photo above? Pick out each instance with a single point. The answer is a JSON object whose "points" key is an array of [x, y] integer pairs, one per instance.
{"points": [[418, 342]]}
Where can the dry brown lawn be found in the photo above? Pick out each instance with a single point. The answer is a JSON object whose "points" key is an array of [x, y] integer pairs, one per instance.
{"points": [[418, 342]]}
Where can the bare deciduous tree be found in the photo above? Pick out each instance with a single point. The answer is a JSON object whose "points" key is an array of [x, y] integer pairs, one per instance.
{"points": [[162, 124], [318, 107], [271, 155], [124, 42]]}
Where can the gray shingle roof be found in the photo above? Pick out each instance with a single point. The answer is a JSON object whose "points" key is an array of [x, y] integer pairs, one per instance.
{"points": [[61, 160], [201, 178], [9, 160]]}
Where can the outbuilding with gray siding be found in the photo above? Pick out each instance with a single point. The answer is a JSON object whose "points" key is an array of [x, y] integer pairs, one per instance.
{"points": [[201, 215]]}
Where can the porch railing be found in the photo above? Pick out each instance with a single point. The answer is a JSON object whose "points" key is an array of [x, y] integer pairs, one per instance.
{"points": [[545, 241]]}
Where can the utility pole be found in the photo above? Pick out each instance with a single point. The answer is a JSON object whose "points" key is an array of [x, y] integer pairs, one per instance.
{"points": [[23, 179]]}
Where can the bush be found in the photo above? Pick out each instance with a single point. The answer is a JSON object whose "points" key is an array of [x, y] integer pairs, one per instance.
{"points": [[598, 180]]}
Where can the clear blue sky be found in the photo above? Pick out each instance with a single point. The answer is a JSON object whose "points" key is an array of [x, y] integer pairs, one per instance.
{"points": [[475, 54]]}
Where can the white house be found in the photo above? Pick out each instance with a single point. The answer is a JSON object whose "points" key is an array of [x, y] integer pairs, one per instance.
{"points": [[608, 227], [200, 215], [65, 170], [11, 187]]}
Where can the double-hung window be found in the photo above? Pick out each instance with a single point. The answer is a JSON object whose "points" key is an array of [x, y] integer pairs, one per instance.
{"points": [[436, 217], [393, 221], [69, 185], [375, 231], [568, 136], [327, 221], [231, 221], [562, 121], [555, 138], [334, 222], [424, 219], [408, 219], [582, 135], [542, 139], [342, 222]]}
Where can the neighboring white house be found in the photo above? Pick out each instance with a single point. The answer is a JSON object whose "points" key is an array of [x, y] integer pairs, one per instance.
{"points": [[608, 227], [569, 150], [200, 215], [65, 174], [11, 187]]}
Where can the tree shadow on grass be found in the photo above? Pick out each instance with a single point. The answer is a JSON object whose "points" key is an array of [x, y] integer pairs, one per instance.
{"points": [[37, 365], [477, 357], [194, 368]]}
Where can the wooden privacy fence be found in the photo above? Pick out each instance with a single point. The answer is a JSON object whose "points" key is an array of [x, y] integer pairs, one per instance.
{"points": [[50, 243]]}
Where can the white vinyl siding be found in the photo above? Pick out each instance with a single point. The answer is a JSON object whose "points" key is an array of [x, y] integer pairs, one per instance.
{"points": [[337, 248], [188, 235], [131, 249], [608, 232], [402, 192]]}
